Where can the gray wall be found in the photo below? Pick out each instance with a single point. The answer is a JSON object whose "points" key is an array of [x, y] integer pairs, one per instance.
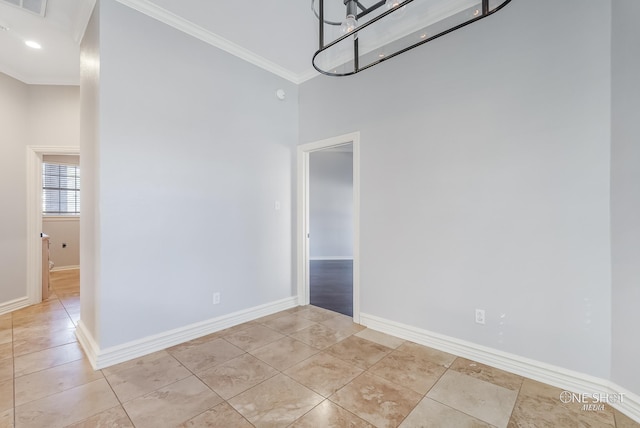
{"points": [[14, 104], [193, 150], [625, 197], [331, 204], [485, 181], [30, 115], [63, 230]]}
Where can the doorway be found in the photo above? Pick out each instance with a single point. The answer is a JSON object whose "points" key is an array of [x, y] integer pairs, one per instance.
{"points": [[35, 268], [331, 228], [328, 229]]}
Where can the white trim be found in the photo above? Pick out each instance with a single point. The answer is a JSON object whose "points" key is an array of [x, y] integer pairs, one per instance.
{"points": [[64, 268], [547, 373], [34, 215], [331, 258], [56, 218], [154, 11], [303, 215], [101, 358], [14, 305]]}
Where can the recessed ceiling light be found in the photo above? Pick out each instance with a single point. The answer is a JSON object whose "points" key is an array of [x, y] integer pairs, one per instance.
{"points": [[32, 44]]}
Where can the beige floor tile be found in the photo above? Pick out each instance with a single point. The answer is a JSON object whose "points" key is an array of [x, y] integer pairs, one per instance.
{"points": [[172, 405], [487, 373], [324, 373], [380, 338], [37, 341], [26, 330], [254, 337], [329, 415], [39, 318], [539, 405], [359, 352], [317, 314], [289, 323], [5, 319], [483, 400], [284, 353], [67, 407], [46, 358], [6, 351], [343, 324], [431, 414], [112, 418], [208, 354], [6, 395], [192, 343], [429, 354], [51, 381], [44, 307], [408, 370], [6, 335], [275, 402], [221, 416], [240, 327], [624, 421], [320, 336], [147, 374], [237, 375], [6, 369], [6, 418], [376, 400]]}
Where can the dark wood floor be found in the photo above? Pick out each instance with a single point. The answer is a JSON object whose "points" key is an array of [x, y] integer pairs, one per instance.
{"points": [[331, 285]]}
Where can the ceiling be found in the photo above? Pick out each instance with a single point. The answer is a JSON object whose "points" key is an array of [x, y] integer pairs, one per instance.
{"points": [[280, 36]]}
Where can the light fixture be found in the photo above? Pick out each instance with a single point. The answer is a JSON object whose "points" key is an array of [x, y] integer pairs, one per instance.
{"points": [[33, 44], [368, 27]]}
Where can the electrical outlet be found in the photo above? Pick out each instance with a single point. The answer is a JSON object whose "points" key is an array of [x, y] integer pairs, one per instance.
{"points": [[480, 316], [216, 298]]}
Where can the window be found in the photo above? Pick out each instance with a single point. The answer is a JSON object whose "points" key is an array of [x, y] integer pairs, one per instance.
{"points": [[60, 189]]}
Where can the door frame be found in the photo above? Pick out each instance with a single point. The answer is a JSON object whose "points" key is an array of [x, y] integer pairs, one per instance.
{"points": [[34, 215], [304, 151]]}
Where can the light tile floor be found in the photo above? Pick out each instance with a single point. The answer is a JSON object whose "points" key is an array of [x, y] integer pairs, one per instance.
{"points": [[304, 367]]}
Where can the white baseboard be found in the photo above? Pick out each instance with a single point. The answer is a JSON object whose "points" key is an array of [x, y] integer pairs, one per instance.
{"points": [[13, 305], [553, 375], [331, 258], [63, 268], [101, 358]]}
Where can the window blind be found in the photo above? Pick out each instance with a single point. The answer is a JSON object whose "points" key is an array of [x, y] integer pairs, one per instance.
{"points": [[60, 189]]}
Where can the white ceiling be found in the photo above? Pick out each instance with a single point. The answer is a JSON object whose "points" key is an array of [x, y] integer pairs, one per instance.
{"points": [[280, 36], [59, 32]]}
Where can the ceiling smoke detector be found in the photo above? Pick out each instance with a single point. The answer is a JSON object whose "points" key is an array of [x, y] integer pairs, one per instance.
{"points": [[39, 7]]}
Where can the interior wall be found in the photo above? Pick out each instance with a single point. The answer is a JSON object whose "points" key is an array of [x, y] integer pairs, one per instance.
{"points": [[30, 115], [64, 240], [331, 204], [14, 105], [194, 153], [485, 181], [625, 198], [90, 283]]}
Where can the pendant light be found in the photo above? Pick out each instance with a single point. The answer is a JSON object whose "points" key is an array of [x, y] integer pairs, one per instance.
{"points": [[372, 31]]}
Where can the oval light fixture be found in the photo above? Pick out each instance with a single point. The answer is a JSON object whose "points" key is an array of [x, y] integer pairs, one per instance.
{"points": [[390, 26], [33, 44]]}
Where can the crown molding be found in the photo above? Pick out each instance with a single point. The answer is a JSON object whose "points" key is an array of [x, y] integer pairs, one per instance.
{"points": [[156, 12]]}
